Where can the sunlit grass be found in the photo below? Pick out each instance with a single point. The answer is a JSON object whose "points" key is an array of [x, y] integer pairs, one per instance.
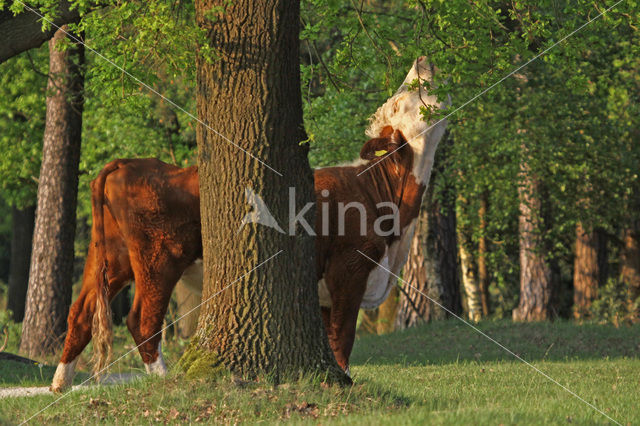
{"points": [[442, 373]]}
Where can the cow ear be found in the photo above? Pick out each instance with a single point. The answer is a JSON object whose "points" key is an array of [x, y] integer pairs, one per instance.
{"points": [[398, 138], [388, 142], [386, 132], [374, 148]]}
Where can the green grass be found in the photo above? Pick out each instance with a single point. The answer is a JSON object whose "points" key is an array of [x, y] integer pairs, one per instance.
{"points": [[441, 373]]}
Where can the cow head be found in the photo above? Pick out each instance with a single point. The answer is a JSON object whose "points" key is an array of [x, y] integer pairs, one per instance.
{"points": [[390, 143], [403, 112]]}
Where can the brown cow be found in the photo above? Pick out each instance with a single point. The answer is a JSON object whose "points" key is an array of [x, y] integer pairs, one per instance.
{"points": [[146, 228]]}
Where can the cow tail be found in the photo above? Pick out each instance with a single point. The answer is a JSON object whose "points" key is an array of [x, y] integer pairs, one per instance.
{"points": [[102, 327]]}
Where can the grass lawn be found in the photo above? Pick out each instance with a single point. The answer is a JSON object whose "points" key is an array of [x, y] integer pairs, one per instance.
{"points": [[440, 373]]}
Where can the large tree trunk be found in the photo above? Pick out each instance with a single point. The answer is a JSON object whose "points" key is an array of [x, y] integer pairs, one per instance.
{"points": [[586, 272], [50, 276], [268, 320], [630, 266], [535, 274], [432, 267], [22, 223]]}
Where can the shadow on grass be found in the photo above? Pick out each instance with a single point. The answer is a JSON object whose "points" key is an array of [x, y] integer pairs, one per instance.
{"points": [[14, 373], [450, 341]]}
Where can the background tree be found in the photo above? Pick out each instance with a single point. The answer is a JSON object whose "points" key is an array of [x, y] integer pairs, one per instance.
{"points": [[433, 266], [23, 221], [50, 276], [586, 272], [22, 96]]}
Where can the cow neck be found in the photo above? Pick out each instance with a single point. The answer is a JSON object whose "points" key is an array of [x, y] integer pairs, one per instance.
{"points": [[402, 189]]}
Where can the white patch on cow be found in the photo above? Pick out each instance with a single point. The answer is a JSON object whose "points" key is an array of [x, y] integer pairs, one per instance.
{"points": [[63, 377], [402, 112], [383, 277], [399, 251], [347, 371], [193, 276], [380, 281], [323, 294], [158, 366], [377, 284], [354, 163]]}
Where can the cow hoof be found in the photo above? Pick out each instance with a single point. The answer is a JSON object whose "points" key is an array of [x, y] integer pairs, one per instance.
{"points": [[63, 377], [56, 389], [158, 366]]}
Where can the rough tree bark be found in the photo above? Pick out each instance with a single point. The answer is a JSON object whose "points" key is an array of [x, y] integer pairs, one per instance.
{"points": [[586, 273], [630, 265], [268, 321], [24, 30], [22, 223], [535, 274], [432, 266], [50, 276]]}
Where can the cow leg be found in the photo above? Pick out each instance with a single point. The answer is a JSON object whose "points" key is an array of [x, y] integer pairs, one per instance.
{"points": [[346, 290], [79, 332], [326, 318], [78, 336], [145, 320]]}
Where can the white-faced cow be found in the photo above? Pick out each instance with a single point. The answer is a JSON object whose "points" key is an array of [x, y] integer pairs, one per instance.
{"points": [[146, 228]]}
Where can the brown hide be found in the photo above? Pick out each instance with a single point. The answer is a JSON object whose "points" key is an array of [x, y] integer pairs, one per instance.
{"points": [[337, 259], [152, 234]]}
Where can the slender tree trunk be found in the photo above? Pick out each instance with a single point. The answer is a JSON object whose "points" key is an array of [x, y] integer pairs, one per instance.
{"points": [[535, 274], [50, 276], [120, 306], [22, 222], [382, 319], [268, 320], [473, 294], [187, 301], [630, 266], [483, 274], [432, 266], [586, 272]]}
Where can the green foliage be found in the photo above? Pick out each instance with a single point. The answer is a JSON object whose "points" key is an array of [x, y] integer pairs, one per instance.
{"points": [[612, 305], [573, 113], [10, 331], [23, 84]]}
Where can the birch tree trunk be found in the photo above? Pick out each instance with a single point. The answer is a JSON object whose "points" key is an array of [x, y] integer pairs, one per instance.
{"points": [[472, 290]]}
